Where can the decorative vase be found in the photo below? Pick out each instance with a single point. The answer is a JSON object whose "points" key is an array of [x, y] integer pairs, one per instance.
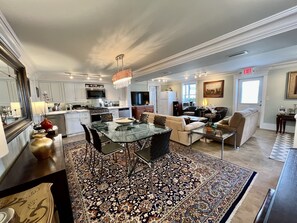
{"points": [[46, 124], [42, 147]]}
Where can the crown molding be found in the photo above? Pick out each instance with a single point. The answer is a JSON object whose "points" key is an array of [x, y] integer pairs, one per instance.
{"points": [[276, 24], [11, 41]]}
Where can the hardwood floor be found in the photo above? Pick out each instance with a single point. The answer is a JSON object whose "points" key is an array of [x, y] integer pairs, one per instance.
{"points": [[253, 155]]}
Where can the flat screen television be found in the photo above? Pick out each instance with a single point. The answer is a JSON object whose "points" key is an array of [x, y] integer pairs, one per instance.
{"points": [[140, 97]]}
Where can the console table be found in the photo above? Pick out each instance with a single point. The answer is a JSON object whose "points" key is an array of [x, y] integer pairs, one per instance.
{"points": [[28, 172], [281, 120], [283, 206]]}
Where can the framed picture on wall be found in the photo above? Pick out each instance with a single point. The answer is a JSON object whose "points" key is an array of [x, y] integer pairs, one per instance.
{"points": [[213, 89], [292, 85]]}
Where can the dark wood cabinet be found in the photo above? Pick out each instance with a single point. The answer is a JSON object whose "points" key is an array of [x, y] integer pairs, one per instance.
{"points": [[28, 172], [138, 110]]}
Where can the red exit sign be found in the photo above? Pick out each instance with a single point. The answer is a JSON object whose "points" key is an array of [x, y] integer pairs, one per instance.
{"points": [[247, 71]]}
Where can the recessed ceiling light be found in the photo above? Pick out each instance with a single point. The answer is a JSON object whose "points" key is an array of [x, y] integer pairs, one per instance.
{"points": [[71, 77]]}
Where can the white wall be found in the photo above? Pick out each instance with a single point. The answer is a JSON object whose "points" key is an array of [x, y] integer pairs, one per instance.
{"points": [[276, 96], [226, 100]]}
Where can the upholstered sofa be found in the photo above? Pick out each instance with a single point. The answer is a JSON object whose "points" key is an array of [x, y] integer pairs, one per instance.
{"points": [[180, 130], [245, 123]]}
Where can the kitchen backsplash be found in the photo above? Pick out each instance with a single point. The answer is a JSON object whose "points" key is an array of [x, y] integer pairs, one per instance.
{"points": [[89, 103]]}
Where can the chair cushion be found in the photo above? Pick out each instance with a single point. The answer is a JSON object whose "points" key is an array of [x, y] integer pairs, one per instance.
{"points": [[104, 139], [144, 154], [111, 148]]}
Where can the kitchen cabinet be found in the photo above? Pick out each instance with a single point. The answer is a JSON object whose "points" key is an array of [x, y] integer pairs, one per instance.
{"points": [[113, 94], [54, 91], [13, 92], [4, 96], [8, 92], [74, 92], [73, 120], [138, 110], [114, 112]]}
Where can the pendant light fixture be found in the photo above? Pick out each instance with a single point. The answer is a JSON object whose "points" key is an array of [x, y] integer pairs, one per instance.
{"points": [[123, 77]]}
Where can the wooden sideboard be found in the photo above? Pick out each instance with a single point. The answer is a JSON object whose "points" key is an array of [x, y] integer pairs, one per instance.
{"points": [[283, 205], [28, 172], [138, 110]]}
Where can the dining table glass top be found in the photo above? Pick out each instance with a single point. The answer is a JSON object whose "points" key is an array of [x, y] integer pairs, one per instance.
{"points": [[132, 132]]}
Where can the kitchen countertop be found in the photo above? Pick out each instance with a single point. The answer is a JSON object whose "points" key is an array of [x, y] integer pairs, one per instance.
{"points": [[82, 110], [117, 107], [68, 111]]}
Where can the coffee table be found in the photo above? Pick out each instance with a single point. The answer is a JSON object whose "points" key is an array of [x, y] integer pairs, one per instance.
{"points": [[194, 118], [216, 134]]}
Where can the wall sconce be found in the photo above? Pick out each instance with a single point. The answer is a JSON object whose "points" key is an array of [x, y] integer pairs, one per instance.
{"points": [[3, 142]]}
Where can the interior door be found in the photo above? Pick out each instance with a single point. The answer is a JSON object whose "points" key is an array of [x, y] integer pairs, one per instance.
{"points": [[250, 93]]}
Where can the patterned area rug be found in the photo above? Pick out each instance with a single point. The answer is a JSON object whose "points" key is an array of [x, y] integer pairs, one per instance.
{"points": [[189, 186], [281, 146]]}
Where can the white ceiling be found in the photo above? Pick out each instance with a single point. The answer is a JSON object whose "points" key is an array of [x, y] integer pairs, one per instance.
{"points": [[84, 37]]}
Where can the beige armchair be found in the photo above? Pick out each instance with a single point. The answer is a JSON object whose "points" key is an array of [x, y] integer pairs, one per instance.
{"points": [[245, 123]]}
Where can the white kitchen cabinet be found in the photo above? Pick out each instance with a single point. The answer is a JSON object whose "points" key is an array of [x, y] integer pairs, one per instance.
{"points": [[74, 92], [57, 92], [13, 92], [54, 91], [73, 120], [4, 93], [114, 112], [45, 87], [113, 94], [80, 92]]}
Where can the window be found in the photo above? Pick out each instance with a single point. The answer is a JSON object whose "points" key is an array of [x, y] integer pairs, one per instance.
{"points": [[250, 92], [189, 92]]}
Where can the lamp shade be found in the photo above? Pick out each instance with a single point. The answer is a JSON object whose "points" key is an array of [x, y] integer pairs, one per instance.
{"points": [[122, 78], [3, 142], [38, 108]]}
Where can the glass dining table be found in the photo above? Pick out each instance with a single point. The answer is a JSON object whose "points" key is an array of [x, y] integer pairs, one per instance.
{"points": [[128, 133]]}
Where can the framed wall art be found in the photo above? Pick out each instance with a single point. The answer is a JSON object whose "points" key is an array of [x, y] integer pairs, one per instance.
{"points": [[213, 89], [292, 85]]}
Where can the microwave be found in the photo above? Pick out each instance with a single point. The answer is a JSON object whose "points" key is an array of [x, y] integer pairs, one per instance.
{"points": [[93, 93]]}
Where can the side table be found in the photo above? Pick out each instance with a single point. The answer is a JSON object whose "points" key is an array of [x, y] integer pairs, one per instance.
{"points": [[281, 120]]}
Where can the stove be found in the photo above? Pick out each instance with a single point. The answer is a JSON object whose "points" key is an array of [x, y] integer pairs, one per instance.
{"points": [[96, 112]]}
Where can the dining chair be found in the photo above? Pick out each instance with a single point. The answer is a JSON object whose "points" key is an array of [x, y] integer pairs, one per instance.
{"points": [[159, 146], [143, 118], [107, 117], [159, 120], [103, 150], [88, 140]]}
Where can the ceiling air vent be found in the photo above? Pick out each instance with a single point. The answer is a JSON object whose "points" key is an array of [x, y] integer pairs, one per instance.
{"points": [[239, 53]]}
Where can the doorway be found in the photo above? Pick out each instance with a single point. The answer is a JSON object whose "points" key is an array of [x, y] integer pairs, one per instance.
{"points": [[250, 94]]}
